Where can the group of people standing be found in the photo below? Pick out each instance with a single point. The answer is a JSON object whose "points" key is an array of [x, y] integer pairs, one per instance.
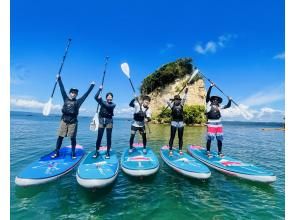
{"points": [[142, 115]]}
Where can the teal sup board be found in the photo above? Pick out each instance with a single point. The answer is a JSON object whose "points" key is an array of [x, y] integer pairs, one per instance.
{"points": [[98, 172], [139, 164], [184, 164], [232, 166]]}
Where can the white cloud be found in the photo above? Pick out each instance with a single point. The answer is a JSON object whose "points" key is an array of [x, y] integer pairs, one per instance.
{"points": [[124, 111], [265, 97], [210, 47], [241, 112], [264, 114], [213, 46], [255, 107], [167, 47], [29, 104], [280, 56]]}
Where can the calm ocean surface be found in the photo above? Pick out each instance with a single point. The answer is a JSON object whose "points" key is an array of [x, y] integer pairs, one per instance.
{"points": [[167, 195]]}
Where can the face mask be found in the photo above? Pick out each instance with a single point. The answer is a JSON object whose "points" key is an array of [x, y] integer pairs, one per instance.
{"points": [[214, 102], [177, 102], [145, 103], [73, 95], [109, 99]]}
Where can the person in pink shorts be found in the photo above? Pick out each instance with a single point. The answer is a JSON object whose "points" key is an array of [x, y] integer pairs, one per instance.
{"points": [[214, 126]]}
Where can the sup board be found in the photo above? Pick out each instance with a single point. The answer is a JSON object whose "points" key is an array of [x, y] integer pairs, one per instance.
{"points": [[98, 172], [184, 164], [232, 166], [47, 169], [139, 164]]}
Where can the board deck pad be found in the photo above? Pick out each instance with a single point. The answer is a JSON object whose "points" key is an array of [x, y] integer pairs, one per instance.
{"points": [[46, 167], [227, 164], [182, 162], [137, 160], [99, 168]]}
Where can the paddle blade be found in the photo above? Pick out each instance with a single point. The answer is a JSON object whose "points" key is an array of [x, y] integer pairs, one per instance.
{"points": [[245, 112], [196, 71], [95, 123], [47, 107], [125, 68]]}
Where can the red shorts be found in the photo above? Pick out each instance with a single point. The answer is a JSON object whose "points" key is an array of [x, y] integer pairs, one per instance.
{"points": [[214, 129]]}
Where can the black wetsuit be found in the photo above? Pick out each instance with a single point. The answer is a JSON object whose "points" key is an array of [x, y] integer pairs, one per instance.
{"points": [[177, 123], [105, 120], [70, 111]]}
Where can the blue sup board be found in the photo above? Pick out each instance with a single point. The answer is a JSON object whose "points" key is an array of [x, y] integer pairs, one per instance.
{"points": [[232, 166], [98, 172], [47, 169], [139, 164], [184, 164]]}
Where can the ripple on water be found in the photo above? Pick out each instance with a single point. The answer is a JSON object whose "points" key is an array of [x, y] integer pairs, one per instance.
{"points": [[166, 195]]}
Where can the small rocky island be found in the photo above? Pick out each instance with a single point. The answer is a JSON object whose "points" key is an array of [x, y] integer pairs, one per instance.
{"points": [[166, 82]]}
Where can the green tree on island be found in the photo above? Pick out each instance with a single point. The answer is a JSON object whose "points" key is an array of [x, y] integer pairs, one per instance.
{"points": [[167, 74]]}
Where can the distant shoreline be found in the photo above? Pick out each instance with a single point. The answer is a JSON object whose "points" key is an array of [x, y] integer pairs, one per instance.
{"points": [[273, 129], [129, 118]]}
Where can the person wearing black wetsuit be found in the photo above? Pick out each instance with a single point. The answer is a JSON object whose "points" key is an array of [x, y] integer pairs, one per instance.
{"points": [[177, 122], [142, 114], [69, 122], [105, 120], [214, 126]]}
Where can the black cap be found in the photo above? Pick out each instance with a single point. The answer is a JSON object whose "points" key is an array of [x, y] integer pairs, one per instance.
{"points": [[177, 97], [217, 98], [74, 90], [146, 97], [109, 93]]}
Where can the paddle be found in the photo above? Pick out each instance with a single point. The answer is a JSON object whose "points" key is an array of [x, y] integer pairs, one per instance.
{"points": [[244, 113], [48, 105], [95, 121], [126, 70], [196, 71]]}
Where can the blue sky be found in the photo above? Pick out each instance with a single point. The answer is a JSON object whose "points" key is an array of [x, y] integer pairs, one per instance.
{"points": [[238, 44]]}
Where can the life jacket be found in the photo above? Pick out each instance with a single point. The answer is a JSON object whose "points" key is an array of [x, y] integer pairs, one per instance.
{"points": [[105, 113], [70, 111], [140, 115], [214, 113], [177, 113]]}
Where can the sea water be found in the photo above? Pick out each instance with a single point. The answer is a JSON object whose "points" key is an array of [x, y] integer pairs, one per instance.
{"points": [[166, 195]]}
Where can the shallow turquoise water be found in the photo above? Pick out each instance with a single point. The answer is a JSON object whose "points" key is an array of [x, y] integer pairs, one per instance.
{"points": [[167, 195]]}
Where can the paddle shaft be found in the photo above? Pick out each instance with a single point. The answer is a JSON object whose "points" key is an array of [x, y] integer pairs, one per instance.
{"points": [[103, 77], [241, 110], [178, 94], [218, 88], [59, 72]]}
